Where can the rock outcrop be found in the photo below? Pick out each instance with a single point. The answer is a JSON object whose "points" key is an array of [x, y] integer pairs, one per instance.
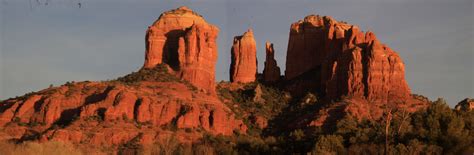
{"points": [[259, 121], [342, 71], [144, 105], [337, 59], [182, 39], [465, 105], [243, 67], [96, 107], [271, 71]]}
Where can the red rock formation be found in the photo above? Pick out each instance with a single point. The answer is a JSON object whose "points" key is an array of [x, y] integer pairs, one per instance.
{"points": [[182, 39], [271, 71], [103, 108], [344, 61], [338, 59], [243, 67], [112, 112], [123, 107]]}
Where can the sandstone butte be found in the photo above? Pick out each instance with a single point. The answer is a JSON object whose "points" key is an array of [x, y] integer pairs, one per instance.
{"points": [[183, 40], [334, 59], [271, 71], [111, 113], [243, 67], [344, 61], [337, 60]]}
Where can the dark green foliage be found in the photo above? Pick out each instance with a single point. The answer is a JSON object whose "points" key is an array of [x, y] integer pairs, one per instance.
{"points": [[243, 103], [159, 74], [359, 132], [240, 144], [440, 125], [435, 130], [329, 144]]}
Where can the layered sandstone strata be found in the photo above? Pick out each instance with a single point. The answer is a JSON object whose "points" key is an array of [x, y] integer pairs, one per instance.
{"points": [[93, 112], [341, 60], [182, 39]]}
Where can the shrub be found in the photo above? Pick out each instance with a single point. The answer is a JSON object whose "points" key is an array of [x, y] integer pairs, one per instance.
{"points": [[158, 74], [329, 144]]}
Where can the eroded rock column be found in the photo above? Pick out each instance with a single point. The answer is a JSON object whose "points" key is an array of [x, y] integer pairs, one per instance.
{"points": [[243, 67], [271, 72]]}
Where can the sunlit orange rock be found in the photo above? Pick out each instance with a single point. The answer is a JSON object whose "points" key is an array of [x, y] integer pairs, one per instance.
{"points": [[243, 67], [123, 107], [182, 39], [26, 109], [338, 59], [111, 110], [112, 113], [335, 59]]}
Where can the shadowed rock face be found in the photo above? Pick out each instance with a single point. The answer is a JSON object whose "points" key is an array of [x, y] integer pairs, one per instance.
{"points": [[182, 39], [243, 68], [465, 105], [337, 59], [271, 72]]}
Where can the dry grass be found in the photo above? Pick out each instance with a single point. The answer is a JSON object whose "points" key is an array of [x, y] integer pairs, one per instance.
{"points": [[35, 148], [172, 146]]}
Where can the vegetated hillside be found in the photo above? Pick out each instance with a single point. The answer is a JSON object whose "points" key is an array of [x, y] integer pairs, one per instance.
{"points": [[268, 113], [343, 92], [438, 129], [143, 107]]}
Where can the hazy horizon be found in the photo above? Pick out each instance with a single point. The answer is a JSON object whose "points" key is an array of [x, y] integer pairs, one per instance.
{"points": [[104, 39]]}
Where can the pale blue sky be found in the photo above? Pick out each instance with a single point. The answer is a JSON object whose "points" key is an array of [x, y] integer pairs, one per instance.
{"points": [[104, 39]]}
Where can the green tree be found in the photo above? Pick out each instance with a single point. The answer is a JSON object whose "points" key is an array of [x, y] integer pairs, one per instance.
{"points": [[329, 144]]}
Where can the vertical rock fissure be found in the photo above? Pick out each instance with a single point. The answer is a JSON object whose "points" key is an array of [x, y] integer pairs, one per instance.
{"points": [[138, 102], [194, 60], [323, 42], [211, 118]]}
